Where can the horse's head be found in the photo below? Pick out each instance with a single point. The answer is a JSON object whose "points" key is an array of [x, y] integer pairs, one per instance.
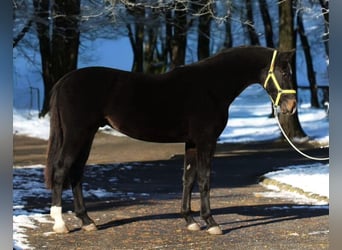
{"points": [[278, 82]]}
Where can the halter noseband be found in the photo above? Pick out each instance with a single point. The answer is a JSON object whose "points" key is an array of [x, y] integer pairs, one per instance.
{"points": [[276, 83]]}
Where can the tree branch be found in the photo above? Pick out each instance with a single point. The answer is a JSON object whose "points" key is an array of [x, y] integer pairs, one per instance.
{"points": [[22, 33]]}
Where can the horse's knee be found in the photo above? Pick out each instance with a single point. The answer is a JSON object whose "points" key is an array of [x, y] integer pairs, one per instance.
{"points": [[203, 186]]}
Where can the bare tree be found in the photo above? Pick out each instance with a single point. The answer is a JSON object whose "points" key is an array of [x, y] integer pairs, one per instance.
{"points": [[228, 41], [308, 59], [178, 42], [287, 41], [250, 24], [21, 7], [267, 23], [58, 41], [203, 8], [136, 32], [325, 11]]}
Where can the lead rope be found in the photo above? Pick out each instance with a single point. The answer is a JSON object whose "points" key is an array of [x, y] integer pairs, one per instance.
{"points": [[287, 138]]}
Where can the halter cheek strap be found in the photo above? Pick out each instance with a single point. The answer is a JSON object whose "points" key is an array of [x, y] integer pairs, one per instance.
{"points": [[272, 76]]}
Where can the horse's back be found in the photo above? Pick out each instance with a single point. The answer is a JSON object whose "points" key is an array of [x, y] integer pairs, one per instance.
{"points": [[145, 107]]}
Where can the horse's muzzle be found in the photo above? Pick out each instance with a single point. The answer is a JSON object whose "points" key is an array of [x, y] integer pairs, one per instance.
{"points": [[288, 106]]}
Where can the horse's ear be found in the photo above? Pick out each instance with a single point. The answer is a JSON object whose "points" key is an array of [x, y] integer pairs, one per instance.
{"points": [[288, 55]]}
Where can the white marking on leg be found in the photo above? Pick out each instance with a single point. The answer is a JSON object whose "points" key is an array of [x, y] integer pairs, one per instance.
{"points": [[216, 230], [56, 214], [188, 167], [90, 227], [194, 227]]}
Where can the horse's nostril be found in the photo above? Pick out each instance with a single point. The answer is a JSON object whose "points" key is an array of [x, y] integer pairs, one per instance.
{"points": [[289, 106], [292, 106]]}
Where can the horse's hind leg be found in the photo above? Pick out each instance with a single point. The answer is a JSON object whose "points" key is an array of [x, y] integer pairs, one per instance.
{"points": [[80, 210], [76, 174], [69, 169], [189, 177], [59, 176], [56, 209]]}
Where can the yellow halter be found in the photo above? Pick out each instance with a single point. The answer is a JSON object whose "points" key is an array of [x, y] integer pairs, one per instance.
{"points": [[272, 76]]}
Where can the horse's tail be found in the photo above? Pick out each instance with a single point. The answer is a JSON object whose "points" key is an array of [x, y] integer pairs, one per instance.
{"points": [[55, 139]]}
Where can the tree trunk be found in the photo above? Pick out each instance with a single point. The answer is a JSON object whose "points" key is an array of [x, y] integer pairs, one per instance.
{"points": [[137, 42], [325, 11], [136, 37], [203, 45], [58, 42], [151, 59], [250, 24], [290, 123], [228, 42], [42, 9], [168, 35], [308, 59], [267, 23], [179, 36]]}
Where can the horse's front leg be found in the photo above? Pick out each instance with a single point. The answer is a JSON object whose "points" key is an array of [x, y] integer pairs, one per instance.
{"points": [[189, 176], [204, 161]]}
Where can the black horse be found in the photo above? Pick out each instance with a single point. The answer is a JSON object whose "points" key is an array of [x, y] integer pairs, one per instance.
{"points": [[188, 104]]}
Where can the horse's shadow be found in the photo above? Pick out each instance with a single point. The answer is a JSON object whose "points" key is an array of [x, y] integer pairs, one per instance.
{"points": [[269, 214], [260, 215]]}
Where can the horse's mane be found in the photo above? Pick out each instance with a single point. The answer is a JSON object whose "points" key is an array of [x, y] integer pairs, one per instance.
{"points": [[223, 52]]}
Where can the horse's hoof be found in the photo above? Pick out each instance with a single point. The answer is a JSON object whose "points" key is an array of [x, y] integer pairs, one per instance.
{"points": [[60, 229], [193, 227], [90, 227], [216, 230]]}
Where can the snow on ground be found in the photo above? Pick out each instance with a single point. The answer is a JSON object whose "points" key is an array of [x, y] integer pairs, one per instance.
{"points": [[28, 184], [304, 184], [302, 176], [27, 123]]}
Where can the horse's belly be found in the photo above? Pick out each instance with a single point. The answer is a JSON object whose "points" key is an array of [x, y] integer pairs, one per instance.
{"points": [[152, 130], [154, 135]]}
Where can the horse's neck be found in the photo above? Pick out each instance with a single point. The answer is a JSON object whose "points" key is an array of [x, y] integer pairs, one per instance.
{"points": [[240, 70], [249, 66]]}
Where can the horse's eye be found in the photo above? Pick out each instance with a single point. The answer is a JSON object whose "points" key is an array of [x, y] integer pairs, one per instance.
{"points": [[285, 74]]}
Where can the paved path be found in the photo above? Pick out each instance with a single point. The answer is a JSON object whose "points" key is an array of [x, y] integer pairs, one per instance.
{"points": [[146, 215]]}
